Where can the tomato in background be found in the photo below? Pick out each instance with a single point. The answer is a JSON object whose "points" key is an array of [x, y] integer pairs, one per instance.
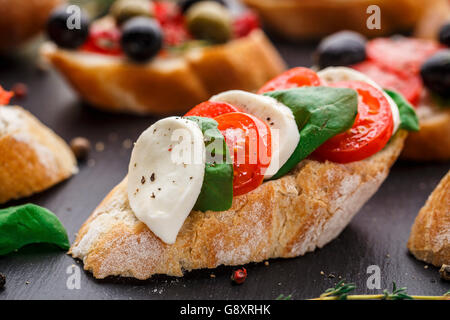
{"points": [[402, 55], [293, 78], [409, 86]]}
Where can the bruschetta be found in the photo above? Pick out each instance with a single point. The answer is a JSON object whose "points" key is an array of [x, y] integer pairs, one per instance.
{"points": [[162, 60], [430, 234], [415, 68], [32, 157], [246, 177], [306, 19]]}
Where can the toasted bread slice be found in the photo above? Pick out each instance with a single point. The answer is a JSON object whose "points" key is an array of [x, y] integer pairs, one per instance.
{"points": [[168, 85], [300, 19], [434, 17], [287, 217], [32, 157], [432, 142], [23, 19], [430, 235]]}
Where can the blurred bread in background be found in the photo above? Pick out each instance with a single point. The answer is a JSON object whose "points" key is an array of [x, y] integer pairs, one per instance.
{"points": [[20, 20], [309, 19], [435, 15]]}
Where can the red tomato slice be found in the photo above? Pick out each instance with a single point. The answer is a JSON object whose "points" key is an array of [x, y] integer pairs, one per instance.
{"points": [[211, 109], [409, 86], [103, 40], [371, 131], [402, 55], [293, 78], [250, 143], [5, 96]]}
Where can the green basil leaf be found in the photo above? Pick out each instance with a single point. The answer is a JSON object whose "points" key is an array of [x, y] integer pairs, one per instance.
{"points": [[408, 116], [28, 224], [217, 188], [320, 113]]}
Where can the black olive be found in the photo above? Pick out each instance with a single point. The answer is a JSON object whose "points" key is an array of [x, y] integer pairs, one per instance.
{"points": [[141, 38], [435, 73], [186, 4], [62, 28], [444, 34], [341, 49]]}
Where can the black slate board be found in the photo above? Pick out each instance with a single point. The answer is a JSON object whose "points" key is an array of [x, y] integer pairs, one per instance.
{"points": [[377, 235]]}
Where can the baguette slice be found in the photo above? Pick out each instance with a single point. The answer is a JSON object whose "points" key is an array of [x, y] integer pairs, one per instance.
{"points": [[32, 157], [23, 19], [287, 217], [432, 142], [430, 235], [300, 19], [168, 85]]}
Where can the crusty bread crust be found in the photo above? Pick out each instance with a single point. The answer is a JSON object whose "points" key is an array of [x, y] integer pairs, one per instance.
{"points": [[300, 19], [22, 19], [432, 142], [430, 235], [32, 157], [282, 218], [168, 85]]}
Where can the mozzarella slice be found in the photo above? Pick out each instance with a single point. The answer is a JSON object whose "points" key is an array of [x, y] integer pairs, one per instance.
{"points": [[165, 175], [336, 74], [285, 134]]}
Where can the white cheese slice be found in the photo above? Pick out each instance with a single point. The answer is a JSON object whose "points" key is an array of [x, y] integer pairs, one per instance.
{"points": [[337, 74], [165, 175], [285, 133]]}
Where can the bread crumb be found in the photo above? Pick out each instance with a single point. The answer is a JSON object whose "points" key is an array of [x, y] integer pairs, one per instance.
{"points": [[212, 275], [425, 266], [322, 273], [266, 263], [127, 144], [99, 146]]}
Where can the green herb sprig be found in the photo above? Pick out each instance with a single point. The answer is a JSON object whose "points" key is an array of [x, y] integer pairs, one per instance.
{"points": [[341, 290], [283, 297]]}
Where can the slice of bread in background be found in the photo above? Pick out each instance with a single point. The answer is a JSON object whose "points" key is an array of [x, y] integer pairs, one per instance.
{"points": [[432, 142], [287, 217], [22, 19], [32, 157], [305, 19], [170, 85], [430, 235]]}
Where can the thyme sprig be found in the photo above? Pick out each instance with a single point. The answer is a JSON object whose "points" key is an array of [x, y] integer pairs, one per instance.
{"points": [[283, 297], [341, 290], [397, 293]]}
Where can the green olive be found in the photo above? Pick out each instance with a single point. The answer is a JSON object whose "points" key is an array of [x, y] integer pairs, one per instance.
{"points": [[209, 20], [122, 10]]}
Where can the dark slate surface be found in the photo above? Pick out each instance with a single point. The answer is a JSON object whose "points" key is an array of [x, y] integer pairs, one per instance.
{"points": [[377, 236]]}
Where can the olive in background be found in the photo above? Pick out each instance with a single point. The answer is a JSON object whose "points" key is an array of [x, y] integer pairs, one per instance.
{"points": [[186, 4], [444, 34], [210, 21], [60, 31], [123, 10], [435, 73], [341, 49], [141, 39]]}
